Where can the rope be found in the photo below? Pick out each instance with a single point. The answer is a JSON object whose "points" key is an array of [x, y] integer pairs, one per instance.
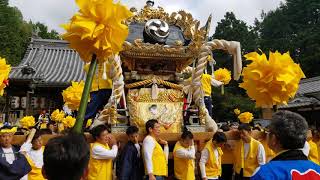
{"points": [[150, 81]]}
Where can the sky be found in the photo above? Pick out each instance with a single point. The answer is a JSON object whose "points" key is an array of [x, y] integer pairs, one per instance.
{"points": [[53, 13]]}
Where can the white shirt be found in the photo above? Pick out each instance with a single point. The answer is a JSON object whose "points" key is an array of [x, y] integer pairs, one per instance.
{"points": [[99, 152], [137, 145], [186, 153], [8, 153], [216, 83], [306, 149], [204, 159], [148, 146], [35, 155]]}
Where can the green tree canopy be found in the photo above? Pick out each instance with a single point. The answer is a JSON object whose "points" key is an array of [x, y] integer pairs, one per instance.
{"points": [[15, 33], [294, 27], [232, 29]]}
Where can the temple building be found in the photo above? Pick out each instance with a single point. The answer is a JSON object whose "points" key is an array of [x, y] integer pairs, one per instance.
{"points": [[307, 101], [36, 83]]}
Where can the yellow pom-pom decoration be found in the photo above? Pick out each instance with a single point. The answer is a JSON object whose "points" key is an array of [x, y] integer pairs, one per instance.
{"points": [[4, 75], [72, 95], [271, 82], [69, 121], [89, 122], [223, 75], [57, 115], [237, 111], [27, 122], [245, 117], [98, 28]]}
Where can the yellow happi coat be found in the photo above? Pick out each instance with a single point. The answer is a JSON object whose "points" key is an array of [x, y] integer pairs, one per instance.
{"points": [[250, 163], [35, 173], [159, 161], [183, 168], [99, 169], [313, 153], [213, 166], [98, 82], [206, 84]]}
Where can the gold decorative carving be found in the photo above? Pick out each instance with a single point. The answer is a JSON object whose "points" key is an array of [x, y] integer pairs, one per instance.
{"points": [[191, 30], [182, 19], [167, 109], [157, 80]]}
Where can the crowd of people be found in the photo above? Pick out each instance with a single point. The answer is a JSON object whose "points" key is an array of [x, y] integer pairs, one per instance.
{"points": [[289, 152]]}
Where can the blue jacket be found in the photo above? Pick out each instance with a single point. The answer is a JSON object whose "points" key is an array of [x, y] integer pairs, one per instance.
{"points": [[129, 165], [17, 169], [290, 165]]}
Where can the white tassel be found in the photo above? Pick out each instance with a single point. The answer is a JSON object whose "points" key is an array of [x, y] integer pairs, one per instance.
{"points": [[154, 91], [104, 75]]}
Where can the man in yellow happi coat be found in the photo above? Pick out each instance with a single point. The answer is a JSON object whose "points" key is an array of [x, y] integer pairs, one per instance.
{"points": [[316, 139], [155, 158], [210, 162], [184, 156], [206, 82], [101, 89], [313, 152], [249, 154], [101, 155], [34, 153], [269, 152]]}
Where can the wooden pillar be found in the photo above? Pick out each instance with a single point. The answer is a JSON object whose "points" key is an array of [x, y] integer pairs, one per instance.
{"points": [[267, 113], [28, 105]]}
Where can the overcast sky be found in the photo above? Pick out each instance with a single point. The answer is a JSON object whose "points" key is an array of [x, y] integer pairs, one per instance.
{"points": [[56, 12]]}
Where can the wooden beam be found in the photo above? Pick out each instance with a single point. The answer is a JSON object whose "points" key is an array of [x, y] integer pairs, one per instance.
{"points": [[170, 137]]}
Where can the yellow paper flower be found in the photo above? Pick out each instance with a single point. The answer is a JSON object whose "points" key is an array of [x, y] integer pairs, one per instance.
{"points": [[97, 28], [27, 122], [12, 130], [72, 95], [57, 115], [4, 75], [271, 82], [223, 75], [69, 121], [237, 111], [245, 117], [89, 122]]}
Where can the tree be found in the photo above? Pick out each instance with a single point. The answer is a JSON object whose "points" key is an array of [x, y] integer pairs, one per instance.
{"points": [[232, 29], [44, 32], [295, 27], [15, 33]]}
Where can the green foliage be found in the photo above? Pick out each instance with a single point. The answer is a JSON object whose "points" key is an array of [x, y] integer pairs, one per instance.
{"points": [[232, 29], [223, 105], [15, 33], [44, 33], [294, 27]]}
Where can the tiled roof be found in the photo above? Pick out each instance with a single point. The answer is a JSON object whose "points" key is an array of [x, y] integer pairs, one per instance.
{"points": [[309, 86], [306, 95], [301, 102], [55, 64]]}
